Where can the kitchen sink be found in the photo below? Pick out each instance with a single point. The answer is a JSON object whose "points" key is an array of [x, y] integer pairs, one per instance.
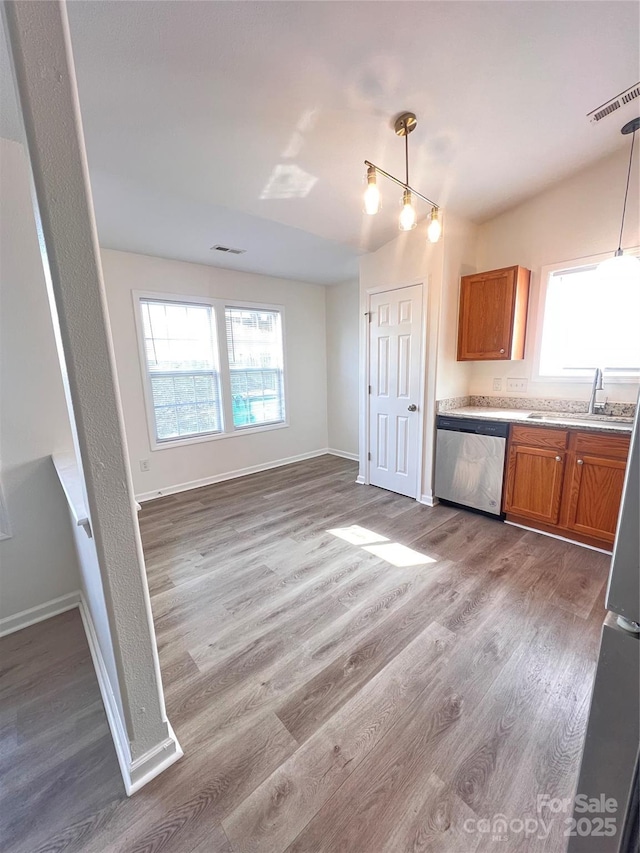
{"points": [[582, 418]]}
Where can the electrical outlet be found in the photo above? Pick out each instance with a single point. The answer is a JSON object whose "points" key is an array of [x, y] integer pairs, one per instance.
{"points": [[517, 385], [144, 464], [497, 384]]}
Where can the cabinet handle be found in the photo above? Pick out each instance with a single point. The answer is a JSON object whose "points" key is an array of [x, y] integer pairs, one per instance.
{"points": [[502, 350], [558, 458], [580, 461]]}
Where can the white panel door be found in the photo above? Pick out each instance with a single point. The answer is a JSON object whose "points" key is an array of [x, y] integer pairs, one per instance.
{"points": [[394, 389]]}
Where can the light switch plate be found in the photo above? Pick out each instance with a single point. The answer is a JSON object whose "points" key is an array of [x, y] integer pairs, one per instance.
{"points": [[519, 385], [497, 384]]}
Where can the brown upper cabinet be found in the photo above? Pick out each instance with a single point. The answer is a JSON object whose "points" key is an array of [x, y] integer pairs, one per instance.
{"points": [[493, 315]]}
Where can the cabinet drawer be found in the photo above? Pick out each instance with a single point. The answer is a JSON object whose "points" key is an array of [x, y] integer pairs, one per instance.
{"points": [[614, 446], [534, 436]]}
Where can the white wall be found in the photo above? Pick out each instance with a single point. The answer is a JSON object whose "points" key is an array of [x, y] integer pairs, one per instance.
{"points": [[460, 248], [343, 389], [306, 364], [575, 218], [39, 562]]}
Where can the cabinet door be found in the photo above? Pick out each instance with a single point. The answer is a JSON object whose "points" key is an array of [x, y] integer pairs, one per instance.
{"points": [[534, 482], [595, 492], [487, 304]]}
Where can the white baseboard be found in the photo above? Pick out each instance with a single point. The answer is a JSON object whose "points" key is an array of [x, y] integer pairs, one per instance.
{"points": [[118, 731], [343, 454], [360, 480], [230, 475], [153, 762], [136, 773], [556, 536], [428, 500], [38, 614]]}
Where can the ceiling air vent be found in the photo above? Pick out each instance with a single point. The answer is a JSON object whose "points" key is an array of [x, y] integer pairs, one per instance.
{"points": [[228, 250], [614, 104]]}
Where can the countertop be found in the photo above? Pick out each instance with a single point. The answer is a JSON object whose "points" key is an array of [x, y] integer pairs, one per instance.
{"points": [[563, 419]]}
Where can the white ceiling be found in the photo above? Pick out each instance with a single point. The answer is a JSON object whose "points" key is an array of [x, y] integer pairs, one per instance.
{"points": [[191, 109]]}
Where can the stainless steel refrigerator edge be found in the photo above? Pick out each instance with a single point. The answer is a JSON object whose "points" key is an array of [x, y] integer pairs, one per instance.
{"points": [[612, 743]]}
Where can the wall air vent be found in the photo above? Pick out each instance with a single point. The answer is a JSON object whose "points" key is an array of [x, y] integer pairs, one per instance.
{"points": [[614, 104], [228, 250]]}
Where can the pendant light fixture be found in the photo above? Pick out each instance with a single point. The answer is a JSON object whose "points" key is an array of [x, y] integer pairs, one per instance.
{"points": [[622, 266], [404, 125]]}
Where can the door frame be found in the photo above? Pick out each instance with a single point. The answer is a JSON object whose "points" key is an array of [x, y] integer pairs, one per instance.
{"points": [[365, 462]]}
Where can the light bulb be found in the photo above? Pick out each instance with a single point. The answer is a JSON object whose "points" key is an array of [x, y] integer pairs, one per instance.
{"points": [[435, 228], [408, 218], [372, 193], [372, 197], [620, 268]]}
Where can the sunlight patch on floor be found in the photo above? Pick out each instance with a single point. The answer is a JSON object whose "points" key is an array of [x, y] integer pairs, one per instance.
{"points": [[399, 555], [357, 535], [393, 552]]}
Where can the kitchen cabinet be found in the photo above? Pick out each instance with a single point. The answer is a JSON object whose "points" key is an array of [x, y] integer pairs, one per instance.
{"points": [[595, 478], [493, 315], [535, 473], [566, 481]]}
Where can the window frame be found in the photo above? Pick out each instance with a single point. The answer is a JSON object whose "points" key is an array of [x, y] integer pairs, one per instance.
{"points": [[585, 378], [226, 409]]}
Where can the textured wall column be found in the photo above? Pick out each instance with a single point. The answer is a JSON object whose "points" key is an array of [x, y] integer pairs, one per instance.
{"points": [[39, 40]]}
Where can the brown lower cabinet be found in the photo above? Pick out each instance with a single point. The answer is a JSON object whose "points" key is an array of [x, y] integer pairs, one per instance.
{"points": [[566, 481]]}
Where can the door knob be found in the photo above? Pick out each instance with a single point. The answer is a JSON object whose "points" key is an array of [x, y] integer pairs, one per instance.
{"points": [[412, 408], [502, 351]]}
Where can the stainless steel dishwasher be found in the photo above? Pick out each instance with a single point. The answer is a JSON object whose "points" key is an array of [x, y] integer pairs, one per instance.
{"points": [[470, 462]]}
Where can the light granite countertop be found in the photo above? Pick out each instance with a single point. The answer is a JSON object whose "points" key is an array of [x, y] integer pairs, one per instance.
{"points": [[568, 420]]}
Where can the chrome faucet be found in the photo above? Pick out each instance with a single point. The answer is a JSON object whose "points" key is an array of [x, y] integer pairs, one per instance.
{"points": [[597, 386]]}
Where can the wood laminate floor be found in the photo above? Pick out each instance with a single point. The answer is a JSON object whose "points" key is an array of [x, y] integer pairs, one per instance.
{"points": [[346, 670]]}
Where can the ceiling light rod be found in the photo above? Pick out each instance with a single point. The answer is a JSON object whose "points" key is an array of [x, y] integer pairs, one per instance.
{"points": [[623, 268], [400, 183], [630, 128]]}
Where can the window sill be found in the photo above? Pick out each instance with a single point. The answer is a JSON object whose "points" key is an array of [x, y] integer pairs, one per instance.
{"points": [[216, 436]]}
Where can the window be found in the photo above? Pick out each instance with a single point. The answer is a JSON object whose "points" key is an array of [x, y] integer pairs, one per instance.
{"points": [[589, 322], [180, 346], [254, 346], [186, 349]]}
